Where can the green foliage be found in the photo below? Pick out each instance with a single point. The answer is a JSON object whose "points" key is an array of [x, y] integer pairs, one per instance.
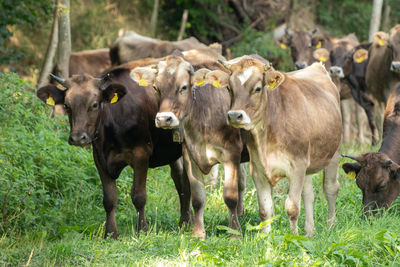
{"points": [[342, 17], [255, 42], [20, 12]]}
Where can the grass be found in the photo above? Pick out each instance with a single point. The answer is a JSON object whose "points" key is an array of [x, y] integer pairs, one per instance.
{"points": [[51, 206]]}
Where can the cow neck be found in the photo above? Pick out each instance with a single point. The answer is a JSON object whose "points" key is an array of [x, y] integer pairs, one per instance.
{"points": [[98, 123], [391, 144]]}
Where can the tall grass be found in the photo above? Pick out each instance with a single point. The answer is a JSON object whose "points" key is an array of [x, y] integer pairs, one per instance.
{"points": [[51, 204]]}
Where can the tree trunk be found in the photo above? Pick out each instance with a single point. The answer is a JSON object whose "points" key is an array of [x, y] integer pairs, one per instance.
{"points": [[386, 17], [64, 36], [48, 62], [375, 18], [154, 17], [183, 24]]}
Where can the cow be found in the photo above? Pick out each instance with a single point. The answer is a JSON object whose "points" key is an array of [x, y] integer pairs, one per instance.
{"points": [[295, 123], [191, 105], [116, 117], [133, 46], [377, 174]]}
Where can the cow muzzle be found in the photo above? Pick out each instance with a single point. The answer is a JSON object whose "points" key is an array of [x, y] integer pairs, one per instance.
{"points": [[166, 120], [238, 118], [300, 65], [336, 71], [79, 139], [395, 66]]}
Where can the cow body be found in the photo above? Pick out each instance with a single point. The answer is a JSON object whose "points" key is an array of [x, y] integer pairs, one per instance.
{"points": [[378, 173], [121, 134], [133, 46], [188, 101], [296, 130]]}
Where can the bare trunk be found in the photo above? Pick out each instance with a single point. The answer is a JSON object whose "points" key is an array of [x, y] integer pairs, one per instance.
{"points": [[48, 62], [183, 24], [375, 18], [64, 35], [154, 18], [386, 17]]}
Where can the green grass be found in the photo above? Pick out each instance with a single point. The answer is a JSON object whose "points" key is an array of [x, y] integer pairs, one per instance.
{"points": [[51, 206]]}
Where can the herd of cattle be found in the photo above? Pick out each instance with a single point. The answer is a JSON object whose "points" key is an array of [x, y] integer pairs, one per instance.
{"points": [[148, 103]]}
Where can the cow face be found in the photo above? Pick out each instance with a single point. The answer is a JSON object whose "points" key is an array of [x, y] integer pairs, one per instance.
{"points": [[338, 57], [301, 47], [172, 82], [248, 83], [378, 177], [83, 100], [394, 41]]}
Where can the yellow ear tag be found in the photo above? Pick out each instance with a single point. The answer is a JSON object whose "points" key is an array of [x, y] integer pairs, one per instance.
{"points": [[272, 85], [201, 82], [216, 84], [360, 59], [114, 99], [318, 45], [283, 46], [50, 101], [351, 174], [381, 42], [142, 82], [322, 58]]}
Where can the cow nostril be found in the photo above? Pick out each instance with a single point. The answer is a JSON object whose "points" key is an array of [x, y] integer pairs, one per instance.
{"points": [[169, 120], [240, 117], [83, 137]]}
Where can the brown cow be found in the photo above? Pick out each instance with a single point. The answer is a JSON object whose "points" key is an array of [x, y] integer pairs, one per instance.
{"points": [[133, 46], [378, 173], [116, 117], [295, 122], [189, 102]]}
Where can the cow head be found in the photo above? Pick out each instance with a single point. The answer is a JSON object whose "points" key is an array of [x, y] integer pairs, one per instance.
{"points": [[248, 84], [82, 98], [340, 65], [301, 46], [377, 176], [172, 80], [394, 41]]}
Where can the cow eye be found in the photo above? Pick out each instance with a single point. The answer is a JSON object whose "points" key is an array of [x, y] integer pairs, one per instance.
{"points": [[183, 89], [156, 89], [257, 90], [381, 187], [95, 105]]}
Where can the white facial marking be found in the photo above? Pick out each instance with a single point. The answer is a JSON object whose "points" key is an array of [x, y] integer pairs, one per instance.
{"points": [[245, 75]]}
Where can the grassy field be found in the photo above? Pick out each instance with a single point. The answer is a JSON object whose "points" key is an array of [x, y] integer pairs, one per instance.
{"points": [[51, 209]]}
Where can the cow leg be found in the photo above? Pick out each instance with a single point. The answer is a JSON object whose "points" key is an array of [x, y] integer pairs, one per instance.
{"points": [[308, 200], [138, 189], [231, 194], [182, 185], [360, 123], [198, 194], [264, 194], [212, 177], [368, 105], [242, 187], [110, 198], [331, 187], [293, 201]]}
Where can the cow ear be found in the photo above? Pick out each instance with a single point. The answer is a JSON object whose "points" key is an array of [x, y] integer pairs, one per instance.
{"points": [[51, 95], [282, 43], [351, 169], [273, 79], [113, 93], [143, 76], [217, 78], [360, 55], [395, 171], [321, 54], [198, 78]]}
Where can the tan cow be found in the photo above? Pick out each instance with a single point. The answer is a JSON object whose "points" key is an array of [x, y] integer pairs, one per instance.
{"points": [[295, 122], [189, 102]]}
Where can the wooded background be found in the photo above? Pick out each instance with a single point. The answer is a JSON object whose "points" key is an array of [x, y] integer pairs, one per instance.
{"points": [[244, 26]]}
